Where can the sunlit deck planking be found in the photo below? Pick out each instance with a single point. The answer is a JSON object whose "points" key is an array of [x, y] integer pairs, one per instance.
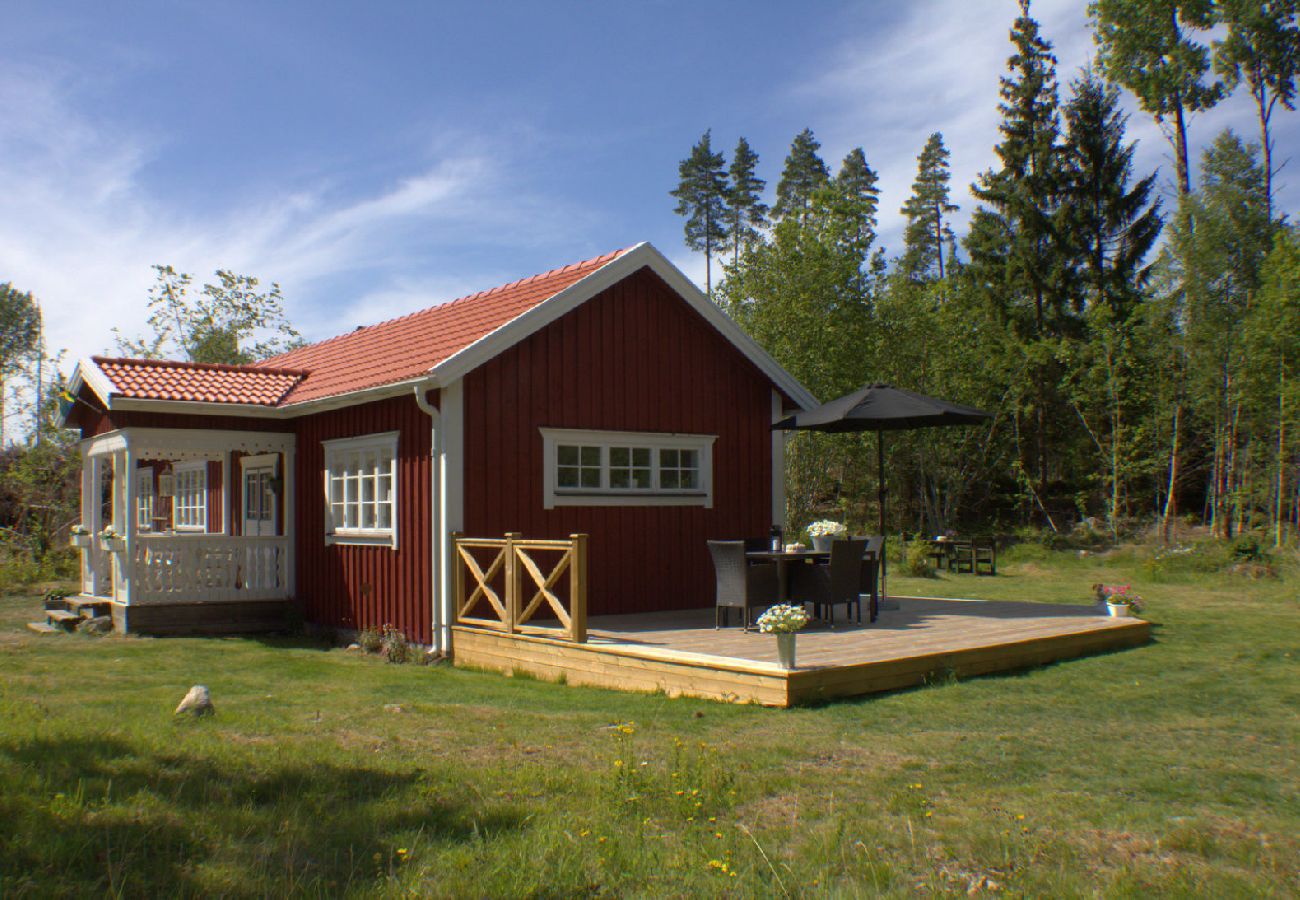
{"points": [[681, 653]]}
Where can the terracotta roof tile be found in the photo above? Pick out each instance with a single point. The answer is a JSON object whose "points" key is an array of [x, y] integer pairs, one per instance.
{"points": [[155, 379], [408, 347], [390, 352]]}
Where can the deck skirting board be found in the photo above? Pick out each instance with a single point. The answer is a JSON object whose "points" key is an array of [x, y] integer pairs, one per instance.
{"points": [[631, 667]]}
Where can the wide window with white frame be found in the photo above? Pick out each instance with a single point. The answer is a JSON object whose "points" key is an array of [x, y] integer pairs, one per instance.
{"points": [[361, 490], [626, 468], [190, 496]]}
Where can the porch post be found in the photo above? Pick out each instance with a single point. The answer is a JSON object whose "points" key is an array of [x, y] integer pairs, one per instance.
{"points": [[288, 514], [88, 499], [124, 521]]}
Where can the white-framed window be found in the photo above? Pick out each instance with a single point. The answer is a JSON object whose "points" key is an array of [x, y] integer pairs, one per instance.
{"points": [[190, 496], [626, 468], [144, 502], [361, 490]]}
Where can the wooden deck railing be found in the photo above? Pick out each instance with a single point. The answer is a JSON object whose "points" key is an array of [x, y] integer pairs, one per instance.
{"points": [[507, 591]]}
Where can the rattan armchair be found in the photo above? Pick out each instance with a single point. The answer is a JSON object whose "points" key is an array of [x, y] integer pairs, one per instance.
{"points": [[740, 584]]}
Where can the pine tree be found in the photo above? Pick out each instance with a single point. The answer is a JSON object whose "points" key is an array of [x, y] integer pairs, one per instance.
{"points": [[1147, 46], [803, 174], [927, 232], [748, 212], [1021, 260], [702, 198], [856, 185], [1263, 49]]}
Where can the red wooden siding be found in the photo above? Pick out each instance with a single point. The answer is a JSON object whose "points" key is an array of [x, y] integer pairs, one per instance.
{"points": [[634, 358], [354, 586]]}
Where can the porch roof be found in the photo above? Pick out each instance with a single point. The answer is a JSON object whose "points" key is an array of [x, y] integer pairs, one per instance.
{"points": [[158, 379]]}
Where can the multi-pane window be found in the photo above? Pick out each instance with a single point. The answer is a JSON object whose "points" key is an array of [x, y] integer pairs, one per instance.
{"points": [[578, 466], [144, 502], [190, 497], [626, 468], [361, 489]]}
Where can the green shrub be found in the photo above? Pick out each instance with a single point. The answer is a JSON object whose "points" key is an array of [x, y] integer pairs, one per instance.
{"points": [[1247, 548], [371, 639], [394, 646], [917, 561]]}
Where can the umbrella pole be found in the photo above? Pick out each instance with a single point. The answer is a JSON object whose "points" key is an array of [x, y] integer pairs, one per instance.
{"points": [[880, 487]]}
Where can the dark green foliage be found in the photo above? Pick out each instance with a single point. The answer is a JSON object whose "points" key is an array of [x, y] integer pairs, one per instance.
{"points": [[856, 185], [744, 200], [803, 175], [1262, 49], [702, 199], [1149, 47], [927, 237], [231, 321]]}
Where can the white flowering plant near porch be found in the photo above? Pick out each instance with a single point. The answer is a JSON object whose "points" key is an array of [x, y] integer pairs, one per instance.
{"points": [[782, 619]]}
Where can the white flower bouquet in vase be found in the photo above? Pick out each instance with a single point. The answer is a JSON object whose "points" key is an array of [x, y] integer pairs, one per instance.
{"points": [[784, 621], [823, 532]]}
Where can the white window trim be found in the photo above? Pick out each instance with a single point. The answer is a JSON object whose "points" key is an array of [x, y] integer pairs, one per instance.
{"points": [[375, 537], [179, 469], [553, 496]]}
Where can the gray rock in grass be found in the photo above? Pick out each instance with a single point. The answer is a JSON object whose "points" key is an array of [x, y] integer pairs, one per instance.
{"points": [[198, 702]]}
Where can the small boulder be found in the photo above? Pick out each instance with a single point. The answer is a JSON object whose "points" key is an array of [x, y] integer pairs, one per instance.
{"points": [[393, 708], [97, 625], [354, 648], [198, 702]]}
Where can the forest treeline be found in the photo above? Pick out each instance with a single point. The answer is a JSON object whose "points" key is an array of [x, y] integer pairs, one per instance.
{"points": [[1138, 353]]}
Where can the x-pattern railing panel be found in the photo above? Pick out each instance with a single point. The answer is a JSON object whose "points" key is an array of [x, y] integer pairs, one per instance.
{"points": [[516, 558]]}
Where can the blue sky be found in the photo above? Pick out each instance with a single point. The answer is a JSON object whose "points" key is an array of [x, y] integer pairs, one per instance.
{"points": [[378, 158]]}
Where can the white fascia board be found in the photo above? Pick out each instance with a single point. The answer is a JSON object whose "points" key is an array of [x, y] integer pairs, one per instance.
{"points": [[85, 372], [198, 408], [641, 256]]}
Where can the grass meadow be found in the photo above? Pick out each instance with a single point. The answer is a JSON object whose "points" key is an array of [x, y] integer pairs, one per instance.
{"points": [[1169, 770]]}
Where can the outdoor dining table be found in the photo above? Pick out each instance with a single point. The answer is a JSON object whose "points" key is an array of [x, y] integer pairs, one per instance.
{"points": [[783, 559]]}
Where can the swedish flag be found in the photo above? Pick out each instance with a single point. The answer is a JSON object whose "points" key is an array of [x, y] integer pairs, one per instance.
{"points": [[66, 401]]}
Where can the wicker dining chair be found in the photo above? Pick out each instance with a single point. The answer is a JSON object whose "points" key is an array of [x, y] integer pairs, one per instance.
{"points": [[839, 582], [869, 585], [740, 584]]}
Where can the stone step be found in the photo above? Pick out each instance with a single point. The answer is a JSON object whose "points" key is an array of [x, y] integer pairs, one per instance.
{"points": [[44, 628], [88, 607]]}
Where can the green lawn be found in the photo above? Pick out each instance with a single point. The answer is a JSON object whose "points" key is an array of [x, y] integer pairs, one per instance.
{"points": [[1170, 769]]}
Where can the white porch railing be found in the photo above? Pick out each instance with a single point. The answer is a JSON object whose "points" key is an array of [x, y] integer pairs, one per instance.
{"points": [[209, 567]]}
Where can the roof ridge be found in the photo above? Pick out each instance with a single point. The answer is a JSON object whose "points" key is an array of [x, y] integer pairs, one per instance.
{"points": [[246, 368], [595, 261]]}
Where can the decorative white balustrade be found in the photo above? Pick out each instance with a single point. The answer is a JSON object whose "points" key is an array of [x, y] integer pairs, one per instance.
{"points": [[209, 567]]}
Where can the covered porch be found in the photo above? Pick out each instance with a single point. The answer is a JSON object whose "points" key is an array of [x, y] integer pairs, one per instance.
{"points": [[188, 529]]}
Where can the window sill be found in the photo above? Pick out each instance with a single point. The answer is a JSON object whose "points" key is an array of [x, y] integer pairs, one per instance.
{"points": [[361, 540], [609, 498]]}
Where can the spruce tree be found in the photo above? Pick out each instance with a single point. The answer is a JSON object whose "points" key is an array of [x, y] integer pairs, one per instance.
{"points": [[1262, 49], [803, 174], [1022, 263], [702, 198], [1111, 222], [748, 212], [927, 232], [1148, 47]]}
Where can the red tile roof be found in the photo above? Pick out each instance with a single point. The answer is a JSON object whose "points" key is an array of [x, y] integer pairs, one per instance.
{"points": [[406, 348], [159, 379], [370, 357]]}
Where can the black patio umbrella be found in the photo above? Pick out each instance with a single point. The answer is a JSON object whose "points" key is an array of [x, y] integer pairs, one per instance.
{"points": [[881, 408]]}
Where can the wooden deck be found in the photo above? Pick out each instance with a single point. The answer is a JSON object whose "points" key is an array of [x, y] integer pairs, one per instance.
{"points": [[680, 653]]}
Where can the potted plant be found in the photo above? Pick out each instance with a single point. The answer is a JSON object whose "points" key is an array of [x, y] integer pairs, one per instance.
{"points": [[79, 537], [784, 621], [823, 532], [111, 541], [1119, 600]]}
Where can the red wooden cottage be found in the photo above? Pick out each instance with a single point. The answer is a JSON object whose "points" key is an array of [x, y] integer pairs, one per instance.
{"points": [[608, 398]]}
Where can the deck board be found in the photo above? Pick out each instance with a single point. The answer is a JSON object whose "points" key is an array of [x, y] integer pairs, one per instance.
{"points": [[682, 653]]}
